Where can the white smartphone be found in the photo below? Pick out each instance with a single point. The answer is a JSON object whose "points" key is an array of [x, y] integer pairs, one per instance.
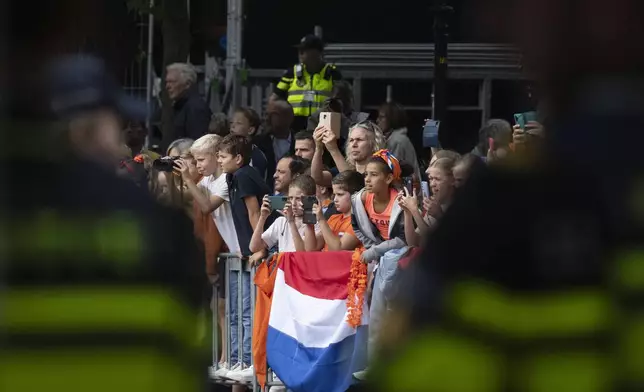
{"points": [[425, 189]]}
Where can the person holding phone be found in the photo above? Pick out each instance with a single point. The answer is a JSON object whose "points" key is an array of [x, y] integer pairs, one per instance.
{"points": [[288, 231], [336, 233], [441, 182]]}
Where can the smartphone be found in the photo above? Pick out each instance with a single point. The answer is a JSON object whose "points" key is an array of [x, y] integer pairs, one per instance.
{"points": [[430, 134], [277, 202], [522, 119], [307, 204], [425, 189], [408, 182], [332, 121]]}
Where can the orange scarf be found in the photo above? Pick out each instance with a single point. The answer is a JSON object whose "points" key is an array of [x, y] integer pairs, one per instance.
{"points": [[357, 288]]}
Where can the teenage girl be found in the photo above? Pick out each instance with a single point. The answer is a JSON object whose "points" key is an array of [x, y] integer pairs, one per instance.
{"points": [[377, 221]]}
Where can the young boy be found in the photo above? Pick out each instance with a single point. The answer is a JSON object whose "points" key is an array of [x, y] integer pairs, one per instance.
{"points": [[245, 191], [246, 122], [287, 231], [210, 195], [337, 233]]}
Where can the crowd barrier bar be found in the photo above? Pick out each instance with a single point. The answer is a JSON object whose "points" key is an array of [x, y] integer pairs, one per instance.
{"points": [[233, 262]]}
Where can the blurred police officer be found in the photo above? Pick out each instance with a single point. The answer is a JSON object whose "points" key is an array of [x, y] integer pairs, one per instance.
{"points": [[101, 287], [533, 280]]}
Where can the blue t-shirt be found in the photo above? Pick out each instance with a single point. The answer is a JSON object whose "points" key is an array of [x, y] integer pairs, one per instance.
{"points": [[244, 182]]}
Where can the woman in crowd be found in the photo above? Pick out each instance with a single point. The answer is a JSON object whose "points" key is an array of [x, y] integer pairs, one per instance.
{"points": [[392, 119], [365, 138], [167, 186], [441, 183]]}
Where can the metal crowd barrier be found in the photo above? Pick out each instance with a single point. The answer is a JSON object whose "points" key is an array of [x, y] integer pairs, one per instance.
{"points": [[234, 262]]}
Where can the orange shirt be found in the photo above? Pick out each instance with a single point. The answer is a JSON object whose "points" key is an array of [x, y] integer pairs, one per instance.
{"points": [[339, 225], [381, 220]]}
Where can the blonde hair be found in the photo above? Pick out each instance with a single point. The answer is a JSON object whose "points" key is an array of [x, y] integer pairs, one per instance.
{"points": [[375, 137], [183, 145], [444, 164], [207, 144]]}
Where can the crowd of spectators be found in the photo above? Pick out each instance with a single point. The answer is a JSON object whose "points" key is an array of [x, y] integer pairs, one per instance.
{"points": [[364, 183]]}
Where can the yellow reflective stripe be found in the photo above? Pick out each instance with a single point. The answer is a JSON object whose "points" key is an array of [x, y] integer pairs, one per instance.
{"points": [[629, 270], [521, 316], [582, 371], [95, 309], [108, 370], [117, 238], [283, 86], [439, 361], [631, 349]]}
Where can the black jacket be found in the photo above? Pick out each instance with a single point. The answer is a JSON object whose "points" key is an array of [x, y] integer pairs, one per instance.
{"points": [[191, 116]]}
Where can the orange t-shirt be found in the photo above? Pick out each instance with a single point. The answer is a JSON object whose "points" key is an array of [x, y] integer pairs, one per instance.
{"points": [[381, 220], [339, 225]]}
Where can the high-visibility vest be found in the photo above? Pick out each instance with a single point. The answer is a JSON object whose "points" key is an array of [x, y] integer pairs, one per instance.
{"points": [[585, 339], [307, 92]]}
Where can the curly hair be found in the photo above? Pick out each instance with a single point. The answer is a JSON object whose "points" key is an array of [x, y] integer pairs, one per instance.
{"points": [[374, 135]]}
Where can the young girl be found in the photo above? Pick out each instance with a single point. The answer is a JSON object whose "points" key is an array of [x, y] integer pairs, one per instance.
{"points": [[441, 182], [378, 223]]}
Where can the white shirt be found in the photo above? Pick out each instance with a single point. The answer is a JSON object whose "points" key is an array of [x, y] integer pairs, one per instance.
{"points": [[223, 215], [280, 233], [281, 147]]}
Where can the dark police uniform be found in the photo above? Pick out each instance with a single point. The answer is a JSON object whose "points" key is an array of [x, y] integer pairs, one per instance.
{"points": [[533, 280], [101, 286]]}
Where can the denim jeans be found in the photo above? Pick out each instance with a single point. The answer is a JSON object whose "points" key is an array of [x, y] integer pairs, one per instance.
{"points": [[382, 283], [234, 318]]}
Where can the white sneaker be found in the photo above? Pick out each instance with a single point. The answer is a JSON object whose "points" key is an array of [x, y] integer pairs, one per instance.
{"points": [[277, 389], [221, 372], [361, 375], [235, 368], [242, 375]]}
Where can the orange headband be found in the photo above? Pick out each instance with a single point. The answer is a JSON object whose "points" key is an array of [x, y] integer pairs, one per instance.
{"points": [[391, 161]]}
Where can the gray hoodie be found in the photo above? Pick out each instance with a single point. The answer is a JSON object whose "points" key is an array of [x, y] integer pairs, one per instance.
{"points": [[399, 144], [368, 234]]}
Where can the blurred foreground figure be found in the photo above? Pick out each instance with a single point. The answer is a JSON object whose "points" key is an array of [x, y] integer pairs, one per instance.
{"points": [[534, 278], [101, 289]]}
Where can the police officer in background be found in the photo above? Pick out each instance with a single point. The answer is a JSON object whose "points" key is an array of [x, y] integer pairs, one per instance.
{"points": [[308, 84], [100, 284]]}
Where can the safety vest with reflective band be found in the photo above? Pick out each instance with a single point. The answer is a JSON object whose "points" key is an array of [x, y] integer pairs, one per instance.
{"points": [[92, 316], [307, 92], [582, 340]]}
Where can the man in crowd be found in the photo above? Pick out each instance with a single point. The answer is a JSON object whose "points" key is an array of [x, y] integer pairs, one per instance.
{"points": [[308, 84], [191, 113], [278, 139], [287, 169], [304, 145]]}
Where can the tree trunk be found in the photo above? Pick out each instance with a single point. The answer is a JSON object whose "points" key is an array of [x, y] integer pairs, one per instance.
{"points": [[176, 48]]}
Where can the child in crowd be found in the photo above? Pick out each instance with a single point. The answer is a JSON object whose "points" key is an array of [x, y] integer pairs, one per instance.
{"points": [[441, 183], [336, 233], [219, 124], [378, 223], [246, 122], [211, 202], [245, 191], [287, 230]]}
